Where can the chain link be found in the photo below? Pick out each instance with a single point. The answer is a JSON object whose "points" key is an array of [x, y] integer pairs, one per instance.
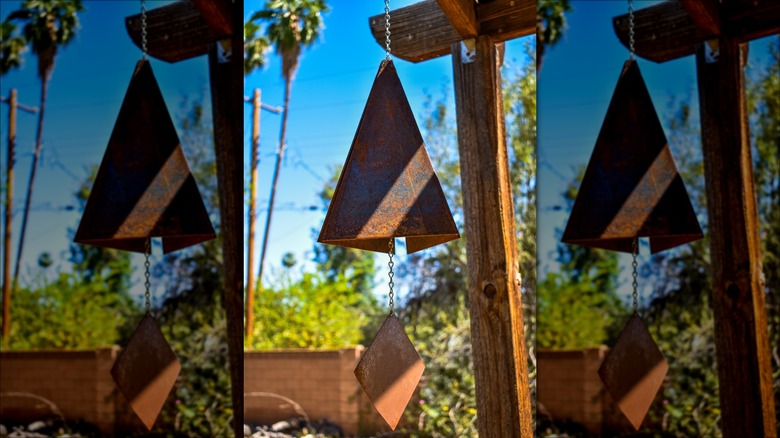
{"points": [[387, 30], [147, 291], [631, 28], [143, 27], [634, 284], [390, 264]]}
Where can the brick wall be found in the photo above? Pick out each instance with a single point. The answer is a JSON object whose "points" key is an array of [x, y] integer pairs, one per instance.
{"points": [[569, 388], [322, 382], [78, 383]]}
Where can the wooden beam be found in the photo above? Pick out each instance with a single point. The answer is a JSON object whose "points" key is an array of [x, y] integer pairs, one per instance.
{"points": [[422, 31], [217, 14], [705, 15], [738, 295], [175, 32], [462, 15], [227, 89], [498, 340], [506, 20], [665, 31]]}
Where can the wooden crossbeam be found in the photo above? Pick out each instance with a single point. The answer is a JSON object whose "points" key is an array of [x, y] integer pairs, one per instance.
{"points": [[462, 15], [666, 31], [175, 32], [705, 14], [218, 14], [423, 30]]}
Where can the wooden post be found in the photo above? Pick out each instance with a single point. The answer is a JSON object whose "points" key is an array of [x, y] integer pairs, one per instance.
{"points": [[228, 114], [9, 189], [741, 338], [498, 341], [250, 238]]}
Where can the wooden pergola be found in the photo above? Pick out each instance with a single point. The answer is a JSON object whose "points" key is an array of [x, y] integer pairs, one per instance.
{"points": [[717, 33], [474, 34], [185, 30]]}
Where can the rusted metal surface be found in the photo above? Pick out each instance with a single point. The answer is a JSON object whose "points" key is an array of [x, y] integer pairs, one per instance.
{"points": [[634, 370], [146, 370], [390, 370], [631, 187], [388, 187], [144, 187]]}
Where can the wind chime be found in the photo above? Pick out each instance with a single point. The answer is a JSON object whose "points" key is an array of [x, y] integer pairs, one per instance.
{"points": [[144, 189], [388, 190], [632, 189]]}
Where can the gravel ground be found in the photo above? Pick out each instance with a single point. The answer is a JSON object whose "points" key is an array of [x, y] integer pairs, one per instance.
{"points": [[294, 427]]}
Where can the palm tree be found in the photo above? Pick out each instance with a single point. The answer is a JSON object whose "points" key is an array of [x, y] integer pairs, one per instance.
{"points": [[48, 25], [291, 26], [11, 47], [255, 47], [550, 24]]}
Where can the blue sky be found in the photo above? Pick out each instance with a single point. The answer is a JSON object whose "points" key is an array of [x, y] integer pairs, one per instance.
{"points": [[89, 82], [85, 93], [332, 84]]}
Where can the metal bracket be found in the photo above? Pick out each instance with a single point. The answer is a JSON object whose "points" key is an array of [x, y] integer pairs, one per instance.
{"points": [[224, 51], [468, 50], [712, 51]]}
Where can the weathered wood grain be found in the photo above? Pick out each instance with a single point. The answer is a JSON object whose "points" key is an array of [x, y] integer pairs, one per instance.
{"points": [[422, 31], [462, 15], [175, 32], [498, 341], [705, 14], [665, 31], [741, 338], [227, 82]]}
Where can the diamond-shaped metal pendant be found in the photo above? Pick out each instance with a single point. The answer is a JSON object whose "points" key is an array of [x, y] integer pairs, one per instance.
{"points": [[634, 370], [390, 370], [146, 370]]}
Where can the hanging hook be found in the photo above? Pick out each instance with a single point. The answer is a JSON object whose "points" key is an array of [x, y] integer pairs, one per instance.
{"points": [[147, 283], [387, 30], [634, 284], [390, 264], [631, 29], [143, 28]]}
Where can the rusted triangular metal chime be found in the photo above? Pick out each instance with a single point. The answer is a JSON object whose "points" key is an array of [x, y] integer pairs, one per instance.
{"points": [[631, 187], [634, 370], [146, 370], [390, 370], [388, 188], [144, 187]]}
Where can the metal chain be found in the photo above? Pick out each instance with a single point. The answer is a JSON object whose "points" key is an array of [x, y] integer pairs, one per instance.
{"points": [[634, 284], [387, 30], [631, 28], [390, 264], [147, 292], [143, 27]]}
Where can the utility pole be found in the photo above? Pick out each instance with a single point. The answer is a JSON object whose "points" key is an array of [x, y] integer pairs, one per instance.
{"points": [[13, 104], [257, 105], [250, 239]]}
